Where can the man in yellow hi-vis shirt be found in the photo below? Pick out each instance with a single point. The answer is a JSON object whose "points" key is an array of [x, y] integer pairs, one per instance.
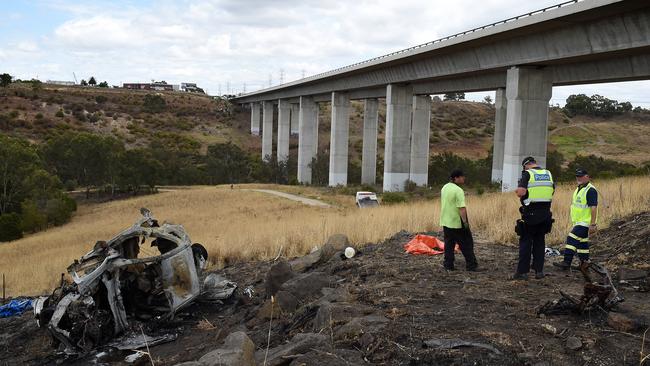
{"points": [[584, 217], [454, 222]]}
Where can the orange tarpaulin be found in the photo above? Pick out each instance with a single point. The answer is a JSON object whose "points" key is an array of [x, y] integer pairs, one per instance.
{"points": [[425, 244]]}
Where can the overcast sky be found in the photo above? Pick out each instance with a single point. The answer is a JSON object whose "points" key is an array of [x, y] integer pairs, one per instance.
{"points": [[225, 44]]}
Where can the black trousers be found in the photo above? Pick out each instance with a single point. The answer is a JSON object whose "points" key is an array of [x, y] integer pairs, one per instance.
{"points": [[462, 237], [532, 243]]}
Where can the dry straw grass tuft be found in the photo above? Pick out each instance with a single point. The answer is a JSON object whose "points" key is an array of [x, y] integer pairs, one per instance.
{"points": [[240, 224]]}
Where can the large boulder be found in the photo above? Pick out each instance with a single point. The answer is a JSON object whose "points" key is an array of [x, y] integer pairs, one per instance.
{"points": [[357, 327], [279, 273], [335, 243], [307, 285], [300, 344], [331, 315], [302, 264], [237, 350], [285, 303]]}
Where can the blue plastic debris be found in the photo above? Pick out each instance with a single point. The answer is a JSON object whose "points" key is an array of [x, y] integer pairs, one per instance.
{"points": [[15, 307]]}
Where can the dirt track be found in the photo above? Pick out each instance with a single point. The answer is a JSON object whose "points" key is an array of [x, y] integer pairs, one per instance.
{"points": [[420, 302]]}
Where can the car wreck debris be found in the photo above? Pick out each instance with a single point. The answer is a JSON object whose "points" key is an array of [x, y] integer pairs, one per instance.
{"points": [[113, 285], [599, 293]]}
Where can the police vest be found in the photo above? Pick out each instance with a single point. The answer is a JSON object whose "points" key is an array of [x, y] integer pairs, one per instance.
{"points": [[540, 186], [580, 211]]}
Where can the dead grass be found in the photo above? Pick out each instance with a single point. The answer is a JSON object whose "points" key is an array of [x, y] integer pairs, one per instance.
{"points": [[240, 224]]}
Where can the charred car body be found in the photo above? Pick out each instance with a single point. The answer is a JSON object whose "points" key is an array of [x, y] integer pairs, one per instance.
{"points": [[112, 285]]}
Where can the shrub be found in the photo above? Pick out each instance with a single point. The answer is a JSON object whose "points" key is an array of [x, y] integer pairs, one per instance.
{"points": [[32, 220], [59, 210], [393, 197], [39, 116], [10, 227], [100, 99], [59, 113], [154, 103]]}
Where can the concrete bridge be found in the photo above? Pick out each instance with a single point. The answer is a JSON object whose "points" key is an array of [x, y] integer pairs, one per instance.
{"points": [[522, 58]]}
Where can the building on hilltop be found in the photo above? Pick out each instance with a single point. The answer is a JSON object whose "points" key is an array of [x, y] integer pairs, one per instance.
{"points": [[191, 88], [156, 85], [59, 82]]}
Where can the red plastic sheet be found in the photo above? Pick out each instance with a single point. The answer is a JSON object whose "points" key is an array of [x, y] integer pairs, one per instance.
{"points": [[425, 244]]}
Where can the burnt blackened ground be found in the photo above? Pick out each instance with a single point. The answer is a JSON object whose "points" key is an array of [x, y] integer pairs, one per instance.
{"points": [[420, 301]]}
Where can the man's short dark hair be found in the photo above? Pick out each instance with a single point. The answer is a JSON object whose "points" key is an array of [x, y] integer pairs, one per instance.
{"points": [[456, 173]]}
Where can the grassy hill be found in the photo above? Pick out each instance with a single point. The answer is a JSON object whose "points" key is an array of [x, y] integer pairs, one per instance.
{"points": [[466, 128]]}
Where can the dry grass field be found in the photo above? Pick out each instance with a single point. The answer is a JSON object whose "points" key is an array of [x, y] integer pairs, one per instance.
{"points": [[239, 224]]}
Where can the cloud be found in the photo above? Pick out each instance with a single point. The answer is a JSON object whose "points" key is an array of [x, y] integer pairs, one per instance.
{"points": [[214, 42]]}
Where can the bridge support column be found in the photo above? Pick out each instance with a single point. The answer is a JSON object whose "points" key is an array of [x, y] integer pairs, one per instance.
{"points": [[500, 106], [295, 110], [284, 112], [307, 137], [267, 130], [528, 91], [339, 139], [255, 119], [397, 151], [420, 139], [369, 157]]}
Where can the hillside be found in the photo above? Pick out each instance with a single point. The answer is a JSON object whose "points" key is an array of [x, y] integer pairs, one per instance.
{"points": [[466, 128]]}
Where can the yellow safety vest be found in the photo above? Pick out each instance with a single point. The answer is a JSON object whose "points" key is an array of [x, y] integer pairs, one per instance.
{"points": [[540, 186], [580, 211]]}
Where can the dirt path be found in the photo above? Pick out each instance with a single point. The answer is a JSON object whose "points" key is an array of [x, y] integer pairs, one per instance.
{"points": [[293, 197]]}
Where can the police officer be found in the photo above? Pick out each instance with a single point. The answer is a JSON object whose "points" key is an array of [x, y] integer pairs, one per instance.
{"points": [[584, 217], [535, 191]]}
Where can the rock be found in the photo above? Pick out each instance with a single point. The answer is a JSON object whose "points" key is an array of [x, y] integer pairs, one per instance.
{"points": [[238, 350], [357, 327], [335, 243], [332, 315], [339, 294], [300, 344], [286, 301], [625, 322], [278, 274], [549, 329], [338, 357], [630, 274], [306, 285], [302, 264], [573, 343]]}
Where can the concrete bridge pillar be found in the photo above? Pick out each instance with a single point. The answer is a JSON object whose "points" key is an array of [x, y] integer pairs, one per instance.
{"points": [[420, 139], [369, 157], [307, 137], [397, 152], [500, 106], [267, 130], [255, 119], [284, 115], [295, 110], [338, 174], [528, 91]]}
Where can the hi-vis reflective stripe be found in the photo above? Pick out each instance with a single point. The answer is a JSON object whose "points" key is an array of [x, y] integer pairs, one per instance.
{"points": [[570, 247], [576, 237], [578, 205], [528, 200], [540, 184], [583, 251]]}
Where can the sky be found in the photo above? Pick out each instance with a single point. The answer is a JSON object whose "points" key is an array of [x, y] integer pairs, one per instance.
{"points": [[232, 46]]}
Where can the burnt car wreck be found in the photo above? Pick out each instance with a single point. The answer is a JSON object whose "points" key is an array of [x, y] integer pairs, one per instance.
{"points": [[122, 281]]}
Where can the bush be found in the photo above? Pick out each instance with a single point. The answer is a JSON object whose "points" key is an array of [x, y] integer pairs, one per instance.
{"points": [[100, 99], [154, 103], [10, 227], [59, 210], [59, 113], [393, 197], [32, 219]]}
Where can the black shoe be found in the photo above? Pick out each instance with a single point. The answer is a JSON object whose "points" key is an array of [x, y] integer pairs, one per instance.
{"points": [[519, 277], [476, 269], [449, 269], [564, 266], [539, 275]]}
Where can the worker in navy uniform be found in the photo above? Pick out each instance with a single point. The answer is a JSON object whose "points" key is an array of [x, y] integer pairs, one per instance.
{"points": [[535, 191], [584, 217]]}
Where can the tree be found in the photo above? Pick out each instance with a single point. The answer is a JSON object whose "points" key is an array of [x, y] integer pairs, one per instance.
{"points": [[83, 82], [487, 100], [103, 84], [92, 81], [5, 80], [227, 163], [454, 96], [18, 160]]}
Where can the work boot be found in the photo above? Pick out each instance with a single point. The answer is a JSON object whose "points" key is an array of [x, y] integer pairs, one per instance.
{"points": [[562, 265], [519, 277], [539, 275]]}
